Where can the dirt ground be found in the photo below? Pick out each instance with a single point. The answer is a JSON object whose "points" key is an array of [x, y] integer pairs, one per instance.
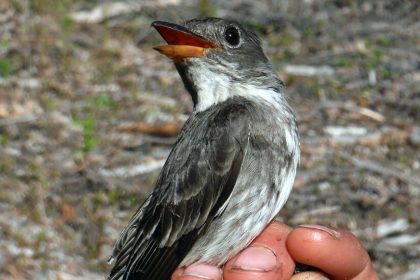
{"points": [[89, 112]]}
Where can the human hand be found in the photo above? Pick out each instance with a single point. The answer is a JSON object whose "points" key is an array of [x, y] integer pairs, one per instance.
{"points": [[272, 256]]}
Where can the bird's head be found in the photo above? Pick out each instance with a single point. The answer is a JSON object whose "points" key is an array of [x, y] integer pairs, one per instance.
{"points": [[217, 59]]}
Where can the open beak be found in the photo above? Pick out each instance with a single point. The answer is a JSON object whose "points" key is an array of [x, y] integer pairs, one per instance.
{"points": [[182, 43]]}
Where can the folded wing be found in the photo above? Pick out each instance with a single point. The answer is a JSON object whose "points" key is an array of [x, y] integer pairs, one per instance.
{"points": [[193, 187]]}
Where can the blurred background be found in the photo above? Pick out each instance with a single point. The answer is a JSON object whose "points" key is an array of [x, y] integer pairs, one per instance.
{"points": [[89, 112]]}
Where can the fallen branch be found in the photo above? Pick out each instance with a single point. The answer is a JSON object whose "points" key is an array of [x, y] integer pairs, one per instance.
{"points": [[376, 167], [132, 171], [307, 215], [105, 11], [167, 129], [21, 119], [351, 107], [308, 70]]}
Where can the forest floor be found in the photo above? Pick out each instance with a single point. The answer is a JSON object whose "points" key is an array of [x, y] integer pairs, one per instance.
{"points": [[89, 112]]}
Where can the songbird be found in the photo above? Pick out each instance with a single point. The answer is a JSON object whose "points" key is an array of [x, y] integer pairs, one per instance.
{"points": [[234, 162]]}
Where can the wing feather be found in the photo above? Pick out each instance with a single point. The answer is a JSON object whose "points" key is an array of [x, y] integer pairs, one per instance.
{"points": [[193, 187]]}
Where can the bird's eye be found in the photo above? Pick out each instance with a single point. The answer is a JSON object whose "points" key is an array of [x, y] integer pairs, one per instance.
{"points": [[232, 36]]}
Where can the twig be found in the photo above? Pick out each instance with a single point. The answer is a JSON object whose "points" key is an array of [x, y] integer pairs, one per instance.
{"points": [[376, 167], [308, 70], [132, 171], [168, 129], [105, 11], [20, 119], [352, 108], [323, 211], [365, 112]]}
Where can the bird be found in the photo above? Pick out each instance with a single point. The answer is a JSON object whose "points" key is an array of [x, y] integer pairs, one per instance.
{"points": [[234, 162]]}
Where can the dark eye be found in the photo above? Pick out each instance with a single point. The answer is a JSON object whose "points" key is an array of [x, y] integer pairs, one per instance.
{"points": [[232, 36]]}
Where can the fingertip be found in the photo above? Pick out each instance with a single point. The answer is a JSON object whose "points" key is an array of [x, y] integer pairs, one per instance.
{"points": [[177, 273], [198, 271], [266, 258], [335, 251], [273, 237], [309, 275], [368, 273]]}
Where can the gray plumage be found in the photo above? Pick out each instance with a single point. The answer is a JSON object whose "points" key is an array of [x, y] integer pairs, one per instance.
{"points": [[230, 171]]}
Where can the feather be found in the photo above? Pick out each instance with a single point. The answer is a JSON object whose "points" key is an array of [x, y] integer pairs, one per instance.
{"points": [[193, 187]]}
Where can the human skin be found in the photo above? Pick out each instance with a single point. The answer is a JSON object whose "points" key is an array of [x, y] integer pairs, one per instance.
{"points": [[273, 255]]}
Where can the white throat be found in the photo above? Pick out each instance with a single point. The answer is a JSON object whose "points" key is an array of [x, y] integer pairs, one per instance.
{"points": [[215, 88]]}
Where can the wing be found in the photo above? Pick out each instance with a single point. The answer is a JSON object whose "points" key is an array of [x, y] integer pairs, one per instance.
{"points": [[194, 187]]}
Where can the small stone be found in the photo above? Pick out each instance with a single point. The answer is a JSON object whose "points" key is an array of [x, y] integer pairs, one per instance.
{"points": [[414, 137]]}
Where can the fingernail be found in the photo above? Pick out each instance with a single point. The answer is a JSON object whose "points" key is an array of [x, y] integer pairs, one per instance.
{"points": [[330, 231], [312, 275], [256, 259], [203, 271]]}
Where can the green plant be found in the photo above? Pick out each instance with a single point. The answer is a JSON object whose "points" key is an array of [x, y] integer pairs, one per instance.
{"points": [[102, 101], [88, 128], [89, 139], [67, 22], [5, 67], [206, 9]]}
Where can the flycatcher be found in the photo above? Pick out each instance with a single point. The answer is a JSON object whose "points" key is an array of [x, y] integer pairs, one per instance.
{"points": [[233, 165]]}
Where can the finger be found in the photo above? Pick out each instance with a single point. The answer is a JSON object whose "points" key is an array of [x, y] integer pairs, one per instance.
{"points": [[265, 259], [309, 275], [197, 272], [337, 252]]}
